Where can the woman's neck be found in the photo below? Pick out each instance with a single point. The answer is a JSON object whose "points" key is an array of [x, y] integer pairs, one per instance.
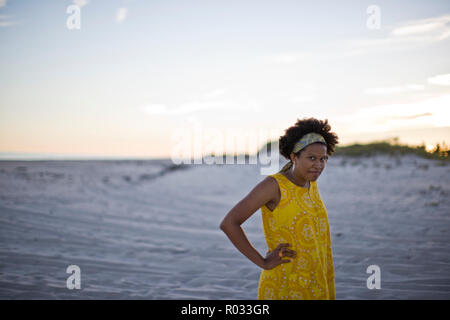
{"points": [[298, 181]]}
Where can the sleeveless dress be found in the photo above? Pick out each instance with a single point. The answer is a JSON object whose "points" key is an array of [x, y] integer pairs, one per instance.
{"points": [[300, 219]]}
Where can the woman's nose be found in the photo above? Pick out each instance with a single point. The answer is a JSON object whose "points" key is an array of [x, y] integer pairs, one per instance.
{"points": [[318, 165]]}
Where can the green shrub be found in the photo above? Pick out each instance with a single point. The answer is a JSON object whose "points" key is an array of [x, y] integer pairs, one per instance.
{"points": [[389, 147], [392, 148]]}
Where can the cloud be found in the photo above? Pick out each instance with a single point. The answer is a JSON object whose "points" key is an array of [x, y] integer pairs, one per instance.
{"points": [[414, 116], [121, 14], [393, 90], [436, 28], [417, 29], [7, 21], [302, 93], [196, 106], [210, 101], [286, 57], [441, 79], [215, 93], [188, 108], [80, 3], [156, 109], [404, 36], [302, 99], [431, 112]]}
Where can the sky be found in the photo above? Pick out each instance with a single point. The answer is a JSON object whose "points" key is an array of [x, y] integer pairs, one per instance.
{"points": [[146, 79]]}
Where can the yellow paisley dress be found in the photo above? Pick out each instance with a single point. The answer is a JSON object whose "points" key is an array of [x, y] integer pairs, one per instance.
{"points": [[300, 219]]}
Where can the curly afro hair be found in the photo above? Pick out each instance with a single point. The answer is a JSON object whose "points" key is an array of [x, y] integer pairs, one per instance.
{"points": [[302, 127]]}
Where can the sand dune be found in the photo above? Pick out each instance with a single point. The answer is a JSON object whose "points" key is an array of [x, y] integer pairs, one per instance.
{"points": [[149, 230]]}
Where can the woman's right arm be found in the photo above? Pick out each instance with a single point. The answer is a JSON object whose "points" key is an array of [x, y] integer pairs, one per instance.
{"points": [[261, 194]]}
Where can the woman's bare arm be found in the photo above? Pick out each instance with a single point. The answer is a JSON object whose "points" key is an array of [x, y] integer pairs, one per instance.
{"points": [[261, 194]]}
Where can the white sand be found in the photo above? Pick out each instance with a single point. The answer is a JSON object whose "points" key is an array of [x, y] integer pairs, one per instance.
{"points": [[136, 234]]}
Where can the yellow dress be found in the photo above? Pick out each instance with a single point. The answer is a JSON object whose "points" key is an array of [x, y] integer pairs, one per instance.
{"points": [[300, 219]]}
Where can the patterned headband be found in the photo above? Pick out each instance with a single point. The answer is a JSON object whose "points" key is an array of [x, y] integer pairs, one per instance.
{"points": [[306, 140]]}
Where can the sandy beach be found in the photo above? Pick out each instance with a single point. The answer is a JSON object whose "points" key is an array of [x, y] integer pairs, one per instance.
{"points": [[150, 230]]}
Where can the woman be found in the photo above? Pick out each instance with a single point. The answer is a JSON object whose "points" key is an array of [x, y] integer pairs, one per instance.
{"points": [[299, 263]]}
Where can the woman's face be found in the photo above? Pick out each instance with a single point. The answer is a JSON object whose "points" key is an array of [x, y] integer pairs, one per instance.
{"points": [[311, 162]]}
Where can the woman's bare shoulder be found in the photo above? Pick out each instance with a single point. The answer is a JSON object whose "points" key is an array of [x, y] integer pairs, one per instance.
{"points": [[268, 187], [270, 182]]}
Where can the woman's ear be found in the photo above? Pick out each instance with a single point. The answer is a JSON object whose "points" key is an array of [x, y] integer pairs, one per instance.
{"points": [[292, 156]]}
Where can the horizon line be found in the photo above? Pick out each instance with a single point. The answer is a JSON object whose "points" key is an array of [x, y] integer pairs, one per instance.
{"points": [[38, 156]]}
